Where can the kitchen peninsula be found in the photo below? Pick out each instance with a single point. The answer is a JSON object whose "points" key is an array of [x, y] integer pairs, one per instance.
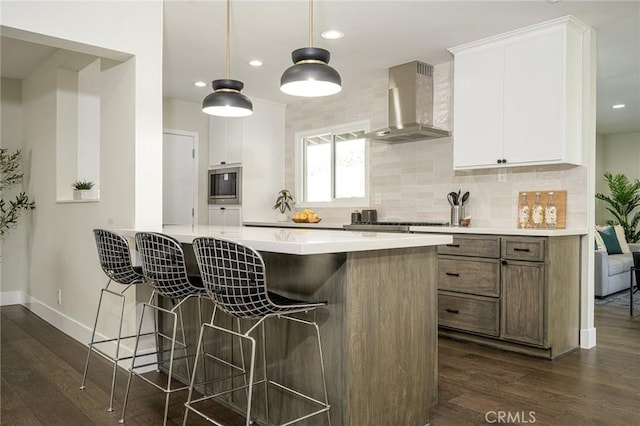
{"points": [[379, 328]]}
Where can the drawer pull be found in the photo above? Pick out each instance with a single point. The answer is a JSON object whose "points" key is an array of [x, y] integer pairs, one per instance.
{"points": [[453, 245], [452, 311], [452, 274], [521, 249]]}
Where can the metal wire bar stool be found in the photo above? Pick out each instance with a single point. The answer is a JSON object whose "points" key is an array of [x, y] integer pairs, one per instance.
{"points": [[234, 278], [164, 267], [635, 270], [115, 260]]}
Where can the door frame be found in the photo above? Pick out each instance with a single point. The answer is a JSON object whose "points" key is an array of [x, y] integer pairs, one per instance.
{"points": [[196, 143]]}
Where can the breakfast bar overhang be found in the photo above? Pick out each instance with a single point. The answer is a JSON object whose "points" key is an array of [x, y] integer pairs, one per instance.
{"points": [[379, 328]]}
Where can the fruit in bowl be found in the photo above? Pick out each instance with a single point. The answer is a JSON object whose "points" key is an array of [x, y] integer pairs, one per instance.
{"points": [[306, 216]]}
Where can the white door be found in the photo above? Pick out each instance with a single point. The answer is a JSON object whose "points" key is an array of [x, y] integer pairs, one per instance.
{"points": [[178, 179]]}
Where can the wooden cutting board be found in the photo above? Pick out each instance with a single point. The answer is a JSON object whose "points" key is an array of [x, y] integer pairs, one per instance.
{"points": [[559, 199]]}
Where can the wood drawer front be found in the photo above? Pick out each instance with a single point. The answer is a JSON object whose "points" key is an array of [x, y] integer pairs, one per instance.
{"points": [[477, 314], [523, 248], [478, 246], [469, 275]]}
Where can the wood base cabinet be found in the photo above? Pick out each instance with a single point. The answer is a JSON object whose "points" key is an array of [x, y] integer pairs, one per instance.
{"points": [[516, 293]]}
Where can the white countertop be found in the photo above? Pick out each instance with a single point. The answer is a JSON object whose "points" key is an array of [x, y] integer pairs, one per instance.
{"points": [[500, 231], [301, 241]]}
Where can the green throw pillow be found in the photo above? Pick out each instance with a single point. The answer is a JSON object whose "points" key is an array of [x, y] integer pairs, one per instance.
{"points": [[610, 239]]}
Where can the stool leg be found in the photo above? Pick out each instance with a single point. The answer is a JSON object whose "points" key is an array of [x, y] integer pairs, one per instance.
{"points": [[266, 380], [251, 371], [324, 380], [115, 361], [199, 352], [93, 335], [172, 355], [184, 342], [133, 363], [631, 292]]}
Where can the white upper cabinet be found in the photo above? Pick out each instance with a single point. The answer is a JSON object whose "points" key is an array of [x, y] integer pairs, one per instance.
{"points": [[518, 97], [225, 140]]}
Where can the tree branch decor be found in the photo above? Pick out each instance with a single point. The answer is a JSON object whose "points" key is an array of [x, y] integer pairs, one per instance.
{"points": [[624, 199], [11, 175]]}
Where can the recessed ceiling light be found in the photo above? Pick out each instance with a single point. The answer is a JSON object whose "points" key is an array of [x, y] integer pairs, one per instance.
{"points": [[618, 106], [200, 84], [255, 63], [332, 34]]}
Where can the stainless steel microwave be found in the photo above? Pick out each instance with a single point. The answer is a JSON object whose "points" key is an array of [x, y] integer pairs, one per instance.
{"points": [[225, 186]]}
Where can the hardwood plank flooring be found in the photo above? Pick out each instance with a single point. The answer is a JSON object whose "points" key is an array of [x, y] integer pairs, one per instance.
{"points": [[41, 370]]}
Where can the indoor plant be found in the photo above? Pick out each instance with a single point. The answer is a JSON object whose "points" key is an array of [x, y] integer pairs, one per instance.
{"points": [[624, 199], [284, 202], [82, 189], [11, 175]]}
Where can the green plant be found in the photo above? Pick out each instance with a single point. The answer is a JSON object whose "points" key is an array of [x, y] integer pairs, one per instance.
{"points": [[81, 185], [624, 199], [284, 201], [10, 175]]}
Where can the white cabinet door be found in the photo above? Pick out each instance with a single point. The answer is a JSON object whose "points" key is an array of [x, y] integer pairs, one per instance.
{"points": [[534, 94], [477, 126], [225, 141], [518, 97], [224, 216]]}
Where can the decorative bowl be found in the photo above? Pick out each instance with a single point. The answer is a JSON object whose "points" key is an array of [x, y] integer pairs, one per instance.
{"points": [[306, 220]]}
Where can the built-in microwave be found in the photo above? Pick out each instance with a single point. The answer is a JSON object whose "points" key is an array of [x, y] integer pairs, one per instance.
{"points": [[225, 186]]}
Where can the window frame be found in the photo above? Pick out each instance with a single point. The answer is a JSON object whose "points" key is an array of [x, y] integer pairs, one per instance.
{"points": [[299, 169]]}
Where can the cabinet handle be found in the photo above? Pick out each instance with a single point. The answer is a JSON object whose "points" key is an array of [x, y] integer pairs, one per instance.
{"points": [[521, 249], [499, 161], [223, 208], [452, 311], [223, 162], [453, 245], [452, 274], [504, 262], [504, 161]]}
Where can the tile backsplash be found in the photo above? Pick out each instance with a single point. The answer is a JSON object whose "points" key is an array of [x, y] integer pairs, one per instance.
{"points": [[413, 178]]}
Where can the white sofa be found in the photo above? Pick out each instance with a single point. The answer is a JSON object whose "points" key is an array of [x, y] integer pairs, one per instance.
{"points": [[612, 271]]}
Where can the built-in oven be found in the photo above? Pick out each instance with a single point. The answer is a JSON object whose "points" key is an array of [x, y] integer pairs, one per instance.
{"points": [[225, 186]]}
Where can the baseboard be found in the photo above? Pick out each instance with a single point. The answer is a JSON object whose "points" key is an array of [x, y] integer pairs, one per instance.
{"points": [[11, 298], [82, 333], [587, 338]]}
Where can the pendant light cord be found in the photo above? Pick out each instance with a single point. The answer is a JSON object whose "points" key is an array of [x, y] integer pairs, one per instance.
{"points": [[310, 23], [228, 37]]}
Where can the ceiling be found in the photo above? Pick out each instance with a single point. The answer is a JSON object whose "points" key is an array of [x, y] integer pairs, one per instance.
{"points": [[378, 34]]}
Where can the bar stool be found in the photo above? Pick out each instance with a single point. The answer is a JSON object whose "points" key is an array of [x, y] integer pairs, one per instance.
{"points": [[115, 260], [164, 267], [234, 278]]}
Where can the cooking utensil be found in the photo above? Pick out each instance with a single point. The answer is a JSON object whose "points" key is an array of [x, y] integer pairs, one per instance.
{"points": [[453, 198], [465, 198], [450, 198]]}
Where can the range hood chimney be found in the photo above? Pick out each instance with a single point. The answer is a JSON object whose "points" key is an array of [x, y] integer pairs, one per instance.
{"points": [[410, 105]]}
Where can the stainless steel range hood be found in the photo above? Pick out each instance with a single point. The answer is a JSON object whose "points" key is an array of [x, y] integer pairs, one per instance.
{"points": [[410, 105]]}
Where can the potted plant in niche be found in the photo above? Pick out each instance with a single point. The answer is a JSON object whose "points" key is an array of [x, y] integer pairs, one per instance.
{"points": [[623, 201], [82, 190], [284, 202]]}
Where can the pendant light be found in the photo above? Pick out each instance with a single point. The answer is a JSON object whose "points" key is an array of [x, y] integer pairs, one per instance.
{"points": [[310, 76], [226, 99]]}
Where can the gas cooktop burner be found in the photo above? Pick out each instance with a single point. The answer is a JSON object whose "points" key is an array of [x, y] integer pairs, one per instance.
{"points": [[432, 223], [390, 226]]}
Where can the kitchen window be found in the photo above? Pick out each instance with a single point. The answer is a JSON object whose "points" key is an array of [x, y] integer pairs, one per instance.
{"points": [[333, 166]]}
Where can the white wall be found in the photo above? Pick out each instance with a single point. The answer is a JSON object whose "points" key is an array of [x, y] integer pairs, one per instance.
{"points": [[616, 153], [14, 245], [188, 116], [61, 252]]}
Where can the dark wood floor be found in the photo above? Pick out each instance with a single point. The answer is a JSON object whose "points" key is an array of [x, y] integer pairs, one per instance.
{"points": [[41, 370]]}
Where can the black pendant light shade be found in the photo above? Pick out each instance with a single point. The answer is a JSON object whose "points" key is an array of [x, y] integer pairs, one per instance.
{"points": [[310, 76], [226, 100]]}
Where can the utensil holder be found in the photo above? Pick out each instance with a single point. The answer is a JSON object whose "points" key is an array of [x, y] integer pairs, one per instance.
{"points": [[457, 213]]}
